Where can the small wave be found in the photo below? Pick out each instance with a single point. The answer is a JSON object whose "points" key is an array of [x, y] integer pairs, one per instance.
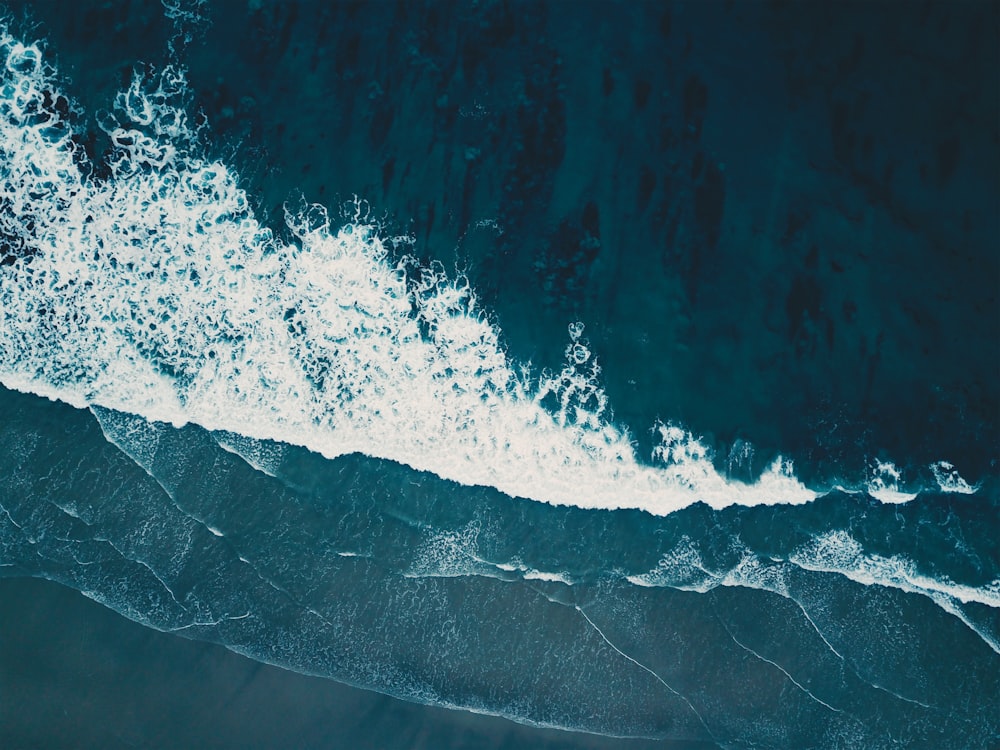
{"points": [[830, 552], [836, 552], [682, 568], [839, 552]]}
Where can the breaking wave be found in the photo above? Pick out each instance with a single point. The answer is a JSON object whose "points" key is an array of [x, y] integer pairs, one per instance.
{"points": [[145, 283]]}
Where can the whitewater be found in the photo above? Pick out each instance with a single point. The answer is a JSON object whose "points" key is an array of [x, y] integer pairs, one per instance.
{"points": [[153, 289]]}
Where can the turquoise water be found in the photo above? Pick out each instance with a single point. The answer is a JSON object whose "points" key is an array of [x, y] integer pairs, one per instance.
{"points": [[267, 320]]}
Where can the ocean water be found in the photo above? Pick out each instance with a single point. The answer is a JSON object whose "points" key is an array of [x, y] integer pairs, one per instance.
{"points": [[626, 371]]}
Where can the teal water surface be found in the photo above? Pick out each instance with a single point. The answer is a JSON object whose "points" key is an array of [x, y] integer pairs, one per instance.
{"points": [[776, 222]]}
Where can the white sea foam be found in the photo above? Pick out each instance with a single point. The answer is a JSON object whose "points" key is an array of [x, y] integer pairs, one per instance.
{"points": [[539, 575], [455, 553], [884, 484], [158, 293], [264, 456], [451, 554], [839, 552], [682, 568], [949, 480], [832, 552]]}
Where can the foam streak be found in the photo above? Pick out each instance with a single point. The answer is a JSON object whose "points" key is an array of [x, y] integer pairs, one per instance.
{"points": [[647, 669], [780, 668]]}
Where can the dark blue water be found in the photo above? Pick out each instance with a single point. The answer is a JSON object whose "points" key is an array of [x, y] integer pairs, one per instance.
{"points": [[768, 517]]}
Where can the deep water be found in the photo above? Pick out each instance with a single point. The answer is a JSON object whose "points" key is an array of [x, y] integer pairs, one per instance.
{"points": [[752, 502]]}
